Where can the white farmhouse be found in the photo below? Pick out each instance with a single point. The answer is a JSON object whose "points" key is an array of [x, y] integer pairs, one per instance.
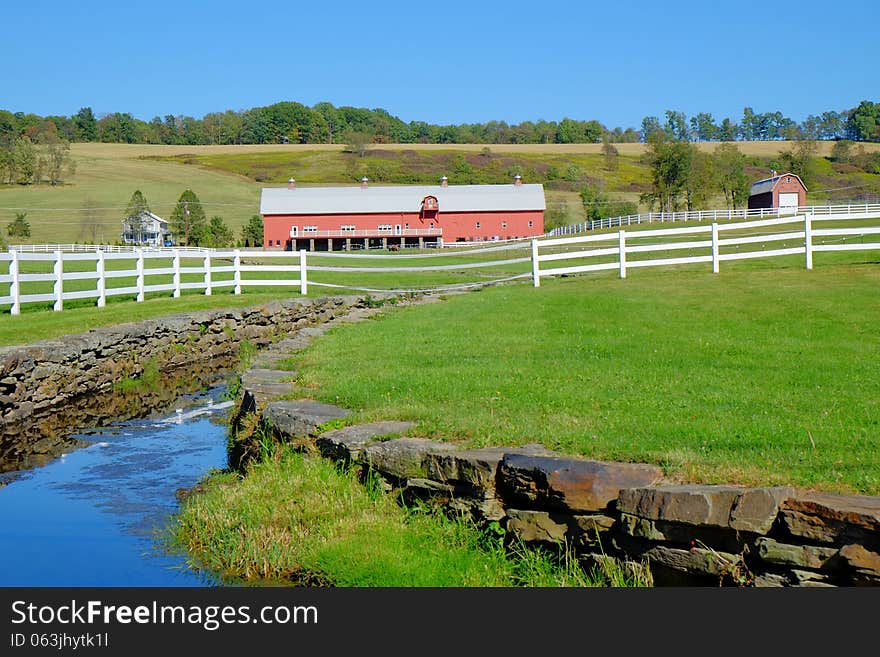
{"points": [[146, 228]]}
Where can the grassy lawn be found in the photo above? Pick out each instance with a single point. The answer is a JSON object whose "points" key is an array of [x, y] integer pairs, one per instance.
{"points": [[758, 375]]}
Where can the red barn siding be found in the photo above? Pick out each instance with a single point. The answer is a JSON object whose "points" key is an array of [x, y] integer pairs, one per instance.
{"points": [[455, 226]]}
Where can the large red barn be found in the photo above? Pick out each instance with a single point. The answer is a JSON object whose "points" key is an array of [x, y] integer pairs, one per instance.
{"points": [[364, 216]]}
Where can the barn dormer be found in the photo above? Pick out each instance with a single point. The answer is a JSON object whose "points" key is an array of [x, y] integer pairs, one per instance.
{"points": [[430, 208]]}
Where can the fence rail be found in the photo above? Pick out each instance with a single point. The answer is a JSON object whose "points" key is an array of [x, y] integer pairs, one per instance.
{"points": [[670, 239], [143, 274], [715, 216], [56, 276]]}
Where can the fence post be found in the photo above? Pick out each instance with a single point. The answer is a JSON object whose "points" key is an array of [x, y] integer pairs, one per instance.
{"points": [[714, 248], [100, 271], [140, 274], [536, 271], [14, 287], [176, 279], [303, 283], [207, 265], [59, 281], [808, 239], [621, 236], [236, 266]]}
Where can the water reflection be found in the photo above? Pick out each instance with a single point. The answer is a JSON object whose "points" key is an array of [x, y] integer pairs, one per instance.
{"points": [[90, 517]]}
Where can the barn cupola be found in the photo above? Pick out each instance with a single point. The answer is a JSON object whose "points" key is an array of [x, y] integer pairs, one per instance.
{"points": [[430, 208]]}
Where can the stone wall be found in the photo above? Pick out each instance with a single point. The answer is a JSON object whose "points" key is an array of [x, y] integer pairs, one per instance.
{"points": [[686, 534], [49, 389]]}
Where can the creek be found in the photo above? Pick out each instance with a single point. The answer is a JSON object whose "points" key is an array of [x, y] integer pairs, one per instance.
{"points": [[94, 516]]}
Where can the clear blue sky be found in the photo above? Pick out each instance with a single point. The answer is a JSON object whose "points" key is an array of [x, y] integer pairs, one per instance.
{"points": [[442, 62]]}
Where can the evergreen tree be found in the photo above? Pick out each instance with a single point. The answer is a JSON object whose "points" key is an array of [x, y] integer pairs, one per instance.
{"points": [[137, 216], [217, 234], [20, 227], [252, 231], [188, 219]]}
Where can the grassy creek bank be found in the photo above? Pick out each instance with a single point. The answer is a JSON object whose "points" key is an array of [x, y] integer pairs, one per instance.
{"points": [[715, 523], [282, 514]]}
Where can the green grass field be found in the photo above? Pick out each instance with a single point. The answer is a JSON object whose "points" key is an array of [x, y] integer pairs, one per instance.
{"points": [[763, 374]]}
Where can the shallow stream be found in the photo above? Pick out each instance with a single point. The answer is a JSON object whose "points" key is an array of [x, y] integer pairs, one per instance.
{"points": [[93, 516]]}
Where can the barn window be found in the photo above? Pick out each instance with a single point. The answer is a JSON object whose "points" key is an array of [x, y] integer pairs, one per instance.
{"points": [[310, 229], [478, 225], [504, 224], [531, 224], [348, 228]]}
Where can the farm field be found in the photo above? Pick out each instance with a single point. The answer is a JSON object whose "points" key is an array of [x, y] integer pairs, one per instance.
{"points": [[759, 375], [89, 205]]}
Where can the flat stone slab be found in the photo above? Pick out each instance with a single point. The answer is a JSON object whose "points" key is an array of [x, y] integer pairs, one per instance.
{"points": [[476, 468], [346, 444], [576, 485], [402, 458], [301, 418], [830, 518], [734, 507], [265, 375]]}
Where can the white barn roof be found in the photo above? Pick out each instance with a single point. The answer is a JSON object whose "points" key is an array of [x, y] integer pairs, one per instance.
{"points": [[400, 198]]}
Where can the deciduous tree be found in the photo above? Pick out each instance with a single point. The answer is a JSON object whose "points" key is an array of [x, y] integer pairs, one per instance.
{"points": [[730, 165]]}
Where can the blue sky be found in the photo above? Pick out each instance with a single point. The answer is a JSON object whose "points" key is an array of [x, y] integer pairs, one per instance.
{"points": [[442, 62]]}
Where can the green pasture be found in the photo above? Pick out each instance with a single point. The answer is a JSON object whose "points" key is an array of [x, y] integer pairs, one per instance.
{"points": [[88, 205], [762, 374]]}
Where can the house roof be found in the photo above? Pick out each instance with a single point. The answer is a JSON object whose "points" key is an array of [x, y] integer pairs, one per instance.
{"points": [[767, 185], [153, 218], [400, 198]]}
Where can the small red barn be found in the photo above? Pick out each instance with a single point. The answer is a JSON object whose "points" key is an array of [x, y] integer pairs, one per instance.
{"points": [[785, 190], [364, 216]]}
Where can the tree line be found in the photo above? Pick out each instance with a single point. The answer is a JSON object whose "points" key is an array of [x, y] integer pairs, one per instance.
{"points": [[324, 123]]}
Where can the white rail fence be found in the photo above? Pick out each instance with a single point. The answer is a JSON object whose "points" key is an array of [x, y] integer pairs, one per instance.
{"points": [[715, 216], [214, 262], [616, 248], [92, 274]]}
